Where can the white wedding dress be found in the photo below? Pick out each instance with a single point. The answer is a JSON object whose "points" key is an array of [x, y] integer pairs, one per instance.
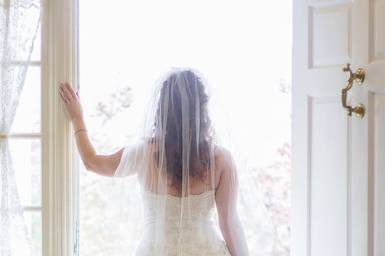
{"points": [[187, 228], [197, 235]]}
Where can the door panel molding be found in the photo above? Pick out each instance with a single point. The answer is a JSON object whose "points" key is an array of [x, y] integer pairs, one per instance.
{"points": [[376, 172], [320, 112], [329, 47], [377, 30]]}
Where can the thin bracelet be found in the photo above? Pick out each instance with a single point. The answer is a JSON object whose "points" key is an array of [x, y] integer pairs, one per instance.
{"points": [[79, 130]]}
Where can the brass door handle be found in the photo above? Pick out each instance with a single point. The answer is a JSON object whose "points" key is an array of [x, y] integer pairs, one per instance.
{"points": [[359, 77]]}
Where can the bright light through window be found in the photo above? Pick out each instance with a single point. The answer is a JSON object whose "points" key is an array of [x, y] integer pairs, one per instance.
{"points": [[241, 47]]}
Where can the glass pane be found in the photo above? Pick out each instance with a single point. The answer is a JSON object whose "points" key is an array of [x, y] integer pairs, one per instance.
{"points": [[28, 114], [27, 25], [147, 47], [26, 157], [34, 225], [36, 54], [110, 215]]}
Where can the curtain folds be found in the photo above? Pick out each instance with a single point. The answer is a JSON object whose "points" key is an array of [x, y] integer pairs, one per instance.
{"points": [[19, 22]]}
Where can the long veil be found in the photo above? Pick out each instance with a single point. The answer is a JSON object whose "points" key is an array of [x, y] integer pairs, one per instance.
{"points": [[183, 168]]}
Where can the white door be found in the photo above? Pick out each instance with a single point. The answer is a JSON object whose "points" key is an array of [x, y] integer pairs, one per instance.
{"points": [[338, 161]]}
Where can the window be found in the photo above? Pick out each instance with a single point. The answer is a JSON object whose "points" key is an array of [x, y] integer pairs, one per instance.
{"points": [[26, 146], [40, 139], [134, 45], [129, 59]]}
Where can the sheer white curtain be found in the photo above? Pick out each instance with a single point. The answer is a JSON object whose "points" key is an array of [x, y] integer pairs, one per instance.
{"points": [[19, 21]]}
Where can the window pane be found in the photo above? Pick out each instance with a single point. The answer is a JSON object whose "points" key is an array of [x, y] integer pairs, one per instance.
{"points": [[34, 225], [28, 116], [36, 54], [25, 29], [103, 228], [109, 219], [147, 47], [26, 158]]}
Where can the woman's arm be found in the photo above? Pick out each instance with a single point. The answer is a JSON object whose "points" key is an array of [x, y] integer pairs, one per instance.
{"points": [[100, 164], [226, 201]]}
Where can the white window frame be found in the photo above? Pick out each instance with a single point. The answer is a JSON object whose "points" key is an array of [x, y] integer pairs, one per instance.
{"points": [[59, 160]]}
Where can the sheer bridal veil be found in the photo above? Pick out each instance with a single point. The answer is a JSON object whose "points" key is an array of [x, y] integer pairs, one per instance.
{"points": [[180, 159]]}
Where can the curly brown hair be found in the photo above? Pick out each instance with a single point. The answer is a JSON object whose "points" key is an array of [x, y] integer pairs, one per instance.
{"points": [[196, 102]]}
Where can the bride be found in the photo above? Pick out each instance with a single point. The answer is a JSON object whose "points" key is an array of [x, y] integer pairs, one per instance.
{"points": [[184, 173]]}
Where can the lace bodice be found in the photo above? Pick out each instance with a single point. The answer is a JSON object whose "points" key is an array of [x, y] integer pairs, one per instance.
{"points": [[195, 232]]}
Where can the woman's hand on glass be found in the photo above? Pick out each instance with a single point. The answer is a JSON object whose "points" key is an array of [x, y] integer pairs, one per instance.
{"points": [[71, 101]]}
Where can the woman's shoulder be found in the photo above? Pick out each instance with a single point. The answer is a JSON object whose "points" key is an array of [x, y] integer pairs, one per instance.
{"points": [[223, 158], [221, 152]]}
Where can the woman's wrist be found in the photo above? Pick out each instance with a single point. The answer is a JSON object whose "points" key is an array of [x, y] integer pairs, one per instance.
{"points": [[80, 130], [78, 123]]}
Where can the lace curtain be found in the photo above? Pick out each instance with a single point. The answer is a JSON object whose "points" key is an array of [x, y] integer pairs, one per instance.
{"points": [[19, 22]]}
